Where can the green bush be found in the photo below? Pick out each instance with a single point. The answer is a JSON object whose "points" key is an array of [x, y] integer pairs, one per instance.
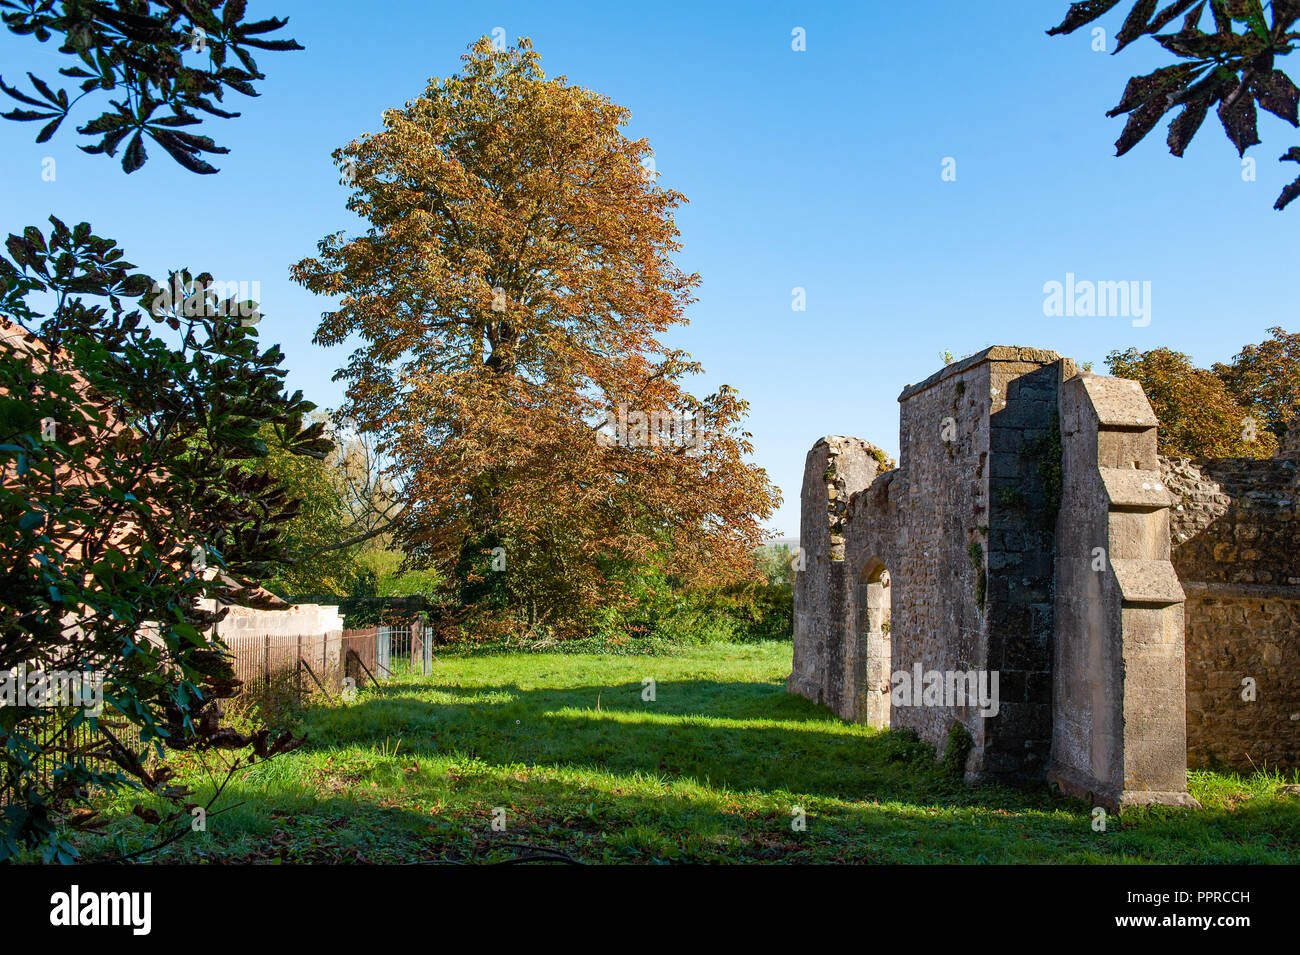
{"points": [[733, 614], [953, 761]]}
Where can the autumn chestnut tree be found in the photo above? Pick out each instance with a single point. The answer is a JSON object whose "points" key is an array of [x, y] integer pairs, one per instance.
{"points": [[1198, 412], [508, 299], [1266, 377]]}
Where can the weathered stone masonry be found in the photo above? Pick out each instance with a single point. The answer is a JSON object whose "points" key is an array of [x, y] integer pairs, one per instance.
{"points": [[1236, 548], [980, 552]]}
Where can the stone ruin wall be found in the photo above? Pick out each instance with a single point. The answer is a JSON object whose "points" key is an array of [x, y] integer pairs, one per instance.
{"points": [[1236, 548], [968, 542], [970, 563], [972, 590], [1118, 718], [834, 470], [919, 523], [1023, 393]]}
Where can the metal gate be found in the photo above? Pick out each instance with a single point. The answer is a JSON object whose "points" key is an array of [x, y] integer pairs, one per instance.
{"points": [[403, 650]]}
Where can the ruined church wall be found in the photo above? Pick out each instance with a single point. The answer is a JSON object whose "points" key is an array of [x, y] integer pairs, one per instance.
{"points": [[941, 498], [963, 529], [1110, 670], [834, 470], [1236, 537], [872, 535], [1023, 495], [972, 580]]}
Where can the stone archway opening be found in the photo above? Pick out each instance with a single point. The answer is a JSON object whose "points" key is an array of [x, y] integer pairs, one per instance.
{"points": [[874, 604]]}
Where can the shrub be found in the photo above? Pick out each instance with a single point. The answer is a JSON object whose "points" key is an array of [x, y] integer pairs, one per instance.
{"points": [[955, 752]]}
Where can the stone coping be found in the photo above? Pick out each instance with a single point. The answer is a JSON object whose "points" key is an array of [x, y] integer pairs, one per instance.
{"points": [[1007, 353], [1150, 583], [1119, 403], [1136, 490]]}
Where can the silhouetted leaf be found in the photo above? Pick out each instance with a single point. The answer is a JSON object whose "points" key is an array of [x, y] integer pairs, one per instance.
{"points": [[43, 89], [233, 13], [1186, 123], [1081, 14], [184, 155], [1239, 122], [1277, 94], [25, 115], [1288, 194], [1198, 45], [19, 95], [1135, 24], [135, 155], [277, 45], [263, 26], [48, 130], [1140, 122], [1174, 10], [1293, 190], [1164, 84], [1198, 98]]}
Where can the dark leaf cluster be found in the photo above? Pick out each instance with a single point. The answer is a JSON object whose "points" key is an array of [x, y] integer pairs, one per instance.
{"points": [[129, 512], [1227, 52], [162, 62]]}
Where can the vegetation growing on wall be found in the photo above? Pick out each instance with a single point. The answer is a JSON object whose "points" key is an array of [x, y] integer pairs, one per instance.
{"points": [[976, 553]]}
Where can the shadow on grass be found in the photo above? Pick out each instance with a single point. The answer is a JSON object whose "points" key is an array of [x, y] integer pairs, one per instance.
{"points": [[739, 736], [451, 821], [709, 771]]}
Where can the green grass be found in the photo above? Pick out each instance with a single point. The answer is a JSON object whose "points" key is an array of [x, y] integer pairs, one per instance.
{"points": [[711, 771]]}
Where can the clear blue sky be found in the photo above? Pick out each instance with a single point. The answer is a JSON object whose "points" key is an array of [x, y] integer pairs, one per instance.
{"points": [[819, 169]]}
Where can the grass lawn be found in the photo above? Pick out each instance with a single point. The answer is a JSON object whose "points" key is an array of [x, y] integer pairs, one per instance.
{"points": [[710, 771]]}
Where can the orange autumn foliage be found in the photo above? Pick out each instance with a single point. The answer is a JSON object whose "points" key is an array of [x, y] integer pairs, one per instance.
{"points": [[509, 295]]}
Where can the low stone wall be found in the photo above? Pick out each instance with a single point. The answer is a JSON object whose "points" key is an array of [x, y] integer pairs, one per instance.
{"points": [[1236, 536], [298, 620], [1232, 640]]}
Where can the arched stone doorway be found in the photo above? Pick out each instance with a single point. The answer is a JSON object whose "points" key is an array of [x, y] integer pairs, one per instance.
{"points": [[873, 639]]}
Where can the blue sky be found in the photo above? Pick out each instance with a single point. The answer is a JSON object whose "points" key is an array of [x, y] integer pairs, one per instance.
{"points": [[818, 169]]}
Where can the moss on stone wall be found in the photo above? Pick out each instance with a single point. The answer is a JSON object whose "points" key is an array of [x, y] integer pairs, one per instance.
{"points": [[955, 752], [1046, 451], [981, 578]]}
